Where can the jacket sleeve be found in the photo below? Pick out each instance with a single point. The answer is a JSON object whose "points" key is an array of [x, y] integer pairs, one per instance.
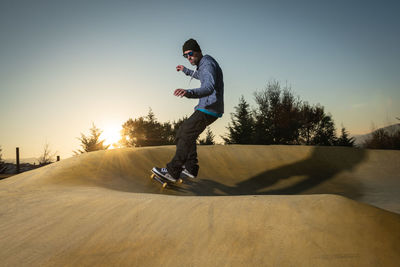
{"points": [[207, 79], [189, 72]]}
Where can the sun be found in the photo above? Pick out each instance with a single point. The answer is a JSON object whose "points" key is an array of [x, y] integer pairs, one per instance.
{"points": [[111, 135]]}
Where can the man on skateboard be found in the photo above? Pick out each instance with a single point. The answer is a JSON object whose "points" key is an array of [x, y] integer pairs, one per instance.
{"points": [[209, 108]]}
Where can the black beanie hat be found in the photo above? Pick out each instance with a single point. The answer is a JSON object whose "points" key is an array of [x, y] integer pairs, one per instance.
{"points": [[191, 44]]}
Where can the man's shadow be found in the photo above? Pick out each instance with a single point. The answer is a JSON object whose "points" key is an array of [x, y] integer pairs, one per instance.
{"points": [[302, 177]]}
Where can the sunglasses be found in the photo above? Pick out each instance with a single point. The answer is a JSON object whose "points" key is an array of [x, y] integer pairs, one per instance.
{"points": [[188, 54]]}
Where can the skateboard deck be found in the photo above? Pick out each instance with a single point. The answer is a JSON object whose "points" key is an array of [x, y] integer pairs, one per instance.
{"points": [[164, 182]]}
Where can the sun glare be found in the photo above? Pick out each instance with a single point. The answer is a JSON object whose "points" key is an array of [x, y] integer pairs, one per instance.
{"points": [[111, 136]]}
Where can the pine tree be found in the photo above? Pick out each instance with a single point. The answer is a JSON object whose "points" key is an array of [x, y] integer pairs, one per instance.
{"points": [[91, 142], [344, 139], [209, 139], [241, 128], [153, 131]]}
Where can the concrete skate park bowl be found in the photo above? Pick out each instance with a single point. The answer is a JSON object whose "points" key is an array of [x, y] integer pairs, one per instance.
{"points": [[250, 205]]}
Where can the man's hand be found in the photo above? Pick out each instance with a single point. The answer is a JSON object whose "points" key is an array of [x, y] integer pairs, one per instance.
{"points": [[179, 68], [180, 92]]}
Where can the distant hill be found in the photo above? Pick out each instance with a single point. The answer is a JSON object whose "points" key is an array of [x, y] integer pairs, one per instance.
{"points": [[391, 129]]}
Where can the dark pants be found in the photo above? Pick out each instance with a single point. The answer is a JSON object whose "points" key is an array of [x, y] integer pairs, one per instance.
{"points": [[185, 141]]}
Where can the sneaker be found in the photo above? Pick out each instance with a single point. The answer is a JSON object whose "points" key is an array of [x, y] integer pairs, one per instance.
{"points": [[163, 172], [187, 173]]}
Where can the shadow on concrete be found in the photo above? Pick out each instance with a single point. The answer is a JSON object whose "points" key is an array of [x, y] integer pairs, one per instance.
{"points": [[302, 177]]}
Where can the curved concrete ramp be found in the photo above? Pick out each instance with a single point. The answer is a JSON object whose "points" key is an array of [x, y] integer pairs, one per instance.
{"points": [[101, 208], [369, 176]]}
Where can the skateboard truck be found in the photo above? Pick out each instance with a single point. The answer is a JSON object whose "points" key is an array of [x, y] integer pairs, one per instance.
{"points": [[162, 181]]}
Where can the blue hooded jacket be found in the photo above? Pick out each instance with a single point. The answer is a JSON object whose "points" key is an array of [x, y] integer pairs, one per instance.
{"points": [[211, 92]]}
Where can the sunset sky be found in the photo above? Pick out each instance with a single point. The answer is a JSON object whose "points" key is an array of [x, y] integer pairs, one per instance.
{"points": [[66, 64]]}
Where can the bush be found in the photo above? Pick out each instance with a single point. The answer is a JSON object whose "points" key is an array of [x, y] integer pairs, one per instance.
{"points": [[381, 139]]}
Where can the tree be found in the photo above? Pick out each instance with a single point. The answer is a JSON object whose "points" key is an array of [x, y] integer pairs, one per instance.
{"points": [[147, 131], [309, 116], [316, 127], [289, 122], [344, 139], [325, 132], [47, 157], [91, 142], [209, 139], [280, 118], [262, 122], [132, 132], [242, 125], [277, 116], [155, 133]]}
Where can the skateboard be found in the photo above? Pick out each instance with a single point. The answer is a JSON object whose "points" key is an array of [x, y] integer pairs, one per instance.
{"points": [[164, 182]]}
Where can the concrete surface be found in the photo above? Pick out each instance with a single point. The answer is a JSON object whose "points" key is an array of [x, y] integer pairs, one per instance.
{"points": [[251, 205]]}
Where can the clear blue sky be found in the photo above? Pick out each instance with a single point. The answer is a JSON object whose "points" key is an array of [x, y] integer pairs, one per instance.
{"points": [[66, 64]]}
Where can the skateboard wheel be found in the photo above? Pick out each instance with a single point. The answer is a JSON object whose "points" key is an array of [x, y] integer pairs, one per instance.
{"points": [[180, 181], [164, 185], [152, 176]]}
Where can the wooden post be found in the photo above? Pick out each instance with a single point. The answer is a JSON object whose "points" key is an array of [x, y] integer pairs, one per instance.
{"points": [[58, 158], [17, 159]]}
